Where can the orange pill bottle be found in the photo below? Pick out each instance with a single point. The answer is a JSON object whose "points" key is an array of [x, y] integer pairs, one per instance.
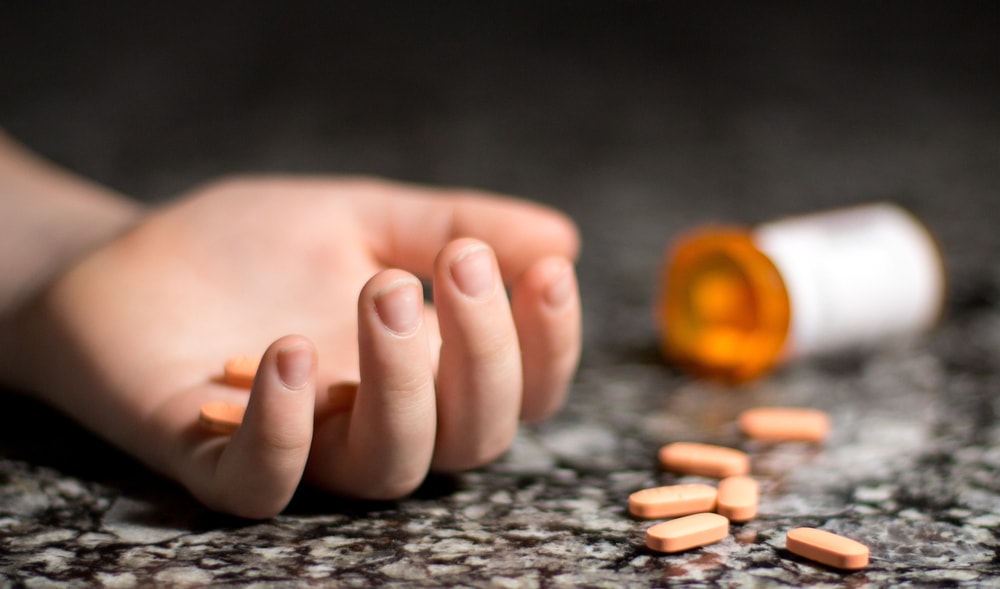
{"points": [[736, 302]]}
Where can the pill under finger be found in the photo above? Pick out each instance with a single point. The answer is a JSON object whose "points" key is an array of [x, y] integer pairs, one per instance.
{"points": [[221, 417], [737, 498], [827, 548], [239, 371], [687, 532], [785, 424], [704, 460], [671, 501]]}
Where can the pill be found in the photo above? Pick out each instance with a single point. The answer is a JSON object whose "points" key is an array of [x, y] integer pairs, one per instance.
{"points": [[239, 371], [737, 498], [827, 548], [671, 501], [221, 417], [704, 459], [785, 424], [687, 532]]}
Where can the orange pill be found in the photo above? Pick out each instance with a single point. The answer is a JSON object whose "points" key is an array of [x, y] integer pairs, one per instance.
{"points": [[737, 499], [239, 371], [704, 460], [687, 532], [827, 548], [671, 501], [785, 424], [221, 417]]}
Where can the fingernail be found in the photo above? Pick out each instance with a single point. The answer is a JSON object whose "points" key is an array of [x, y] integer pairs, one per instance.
{"points": [[398, 306], [473, 272], [294, 366], [561, 289]]}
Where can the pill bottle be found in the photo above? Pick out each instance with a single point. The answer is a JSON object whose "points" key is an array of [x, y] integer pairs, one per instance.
{"points": [[736, 302]]}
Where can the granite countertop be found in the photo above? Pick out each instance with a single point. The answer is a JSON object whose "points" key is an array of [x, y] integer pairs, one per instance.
{"points": [[638, 121]]}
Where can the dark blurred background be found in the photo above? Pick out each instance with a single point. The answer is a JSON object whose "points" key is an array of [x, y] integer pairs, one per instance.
{"points": [[638, 118]]}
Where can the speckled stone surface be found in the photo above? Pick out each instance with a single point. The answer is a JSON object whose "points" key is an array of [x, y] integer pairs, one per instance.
{"points": [[639, 119]]}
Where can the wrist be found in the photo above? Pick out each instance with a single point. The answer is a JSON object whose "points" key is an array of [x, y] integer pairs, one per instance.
{"points": [[49, 219]]}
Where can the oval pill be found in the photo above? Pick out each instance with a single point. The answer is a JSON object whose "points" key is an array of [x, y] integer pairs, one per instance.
{"points": [[239, 371], [785, 424], [687, 532], [704, 459], [221, 417], [827, 548], [737, 498], [672, 500]]}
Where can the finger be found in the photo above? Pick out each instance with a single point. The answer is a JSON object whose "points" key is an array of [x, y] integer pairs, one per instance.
{"points": [[259, 469], [382, 447], [546, 307], [479, 379], [411, 225]]}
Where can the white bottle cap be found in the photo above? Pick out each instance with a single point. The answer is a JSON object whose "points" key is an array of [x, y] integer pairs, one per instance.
{"points": [[854, 276]]}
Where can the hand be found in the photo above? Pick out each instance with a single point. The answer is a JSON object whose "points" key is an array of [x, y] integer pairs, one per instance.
{"points": [[145, 324]]}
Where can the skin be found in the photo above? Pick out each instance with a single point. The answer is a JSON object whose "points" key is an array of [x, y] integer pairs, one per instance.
{"points": [[49, 218], [324, 277]]}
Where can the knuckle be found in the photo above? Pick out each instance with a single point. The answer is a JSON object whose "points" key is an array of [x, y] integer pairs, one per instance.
{"points": [[282, 440], [492, 347]]}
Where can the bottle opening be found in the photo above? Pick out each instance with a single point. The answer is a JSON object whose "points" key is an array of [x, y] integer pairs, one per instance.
{"points": [[723, 309]]}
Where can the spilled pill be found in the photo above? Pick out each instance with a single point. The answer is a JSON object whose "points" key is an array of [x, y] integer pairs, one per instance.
{"points": [[239, 371], [671, 501], [704, 460], [785, 424], [737, 498], [687, 532], [221, 417], [827, 548]]}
